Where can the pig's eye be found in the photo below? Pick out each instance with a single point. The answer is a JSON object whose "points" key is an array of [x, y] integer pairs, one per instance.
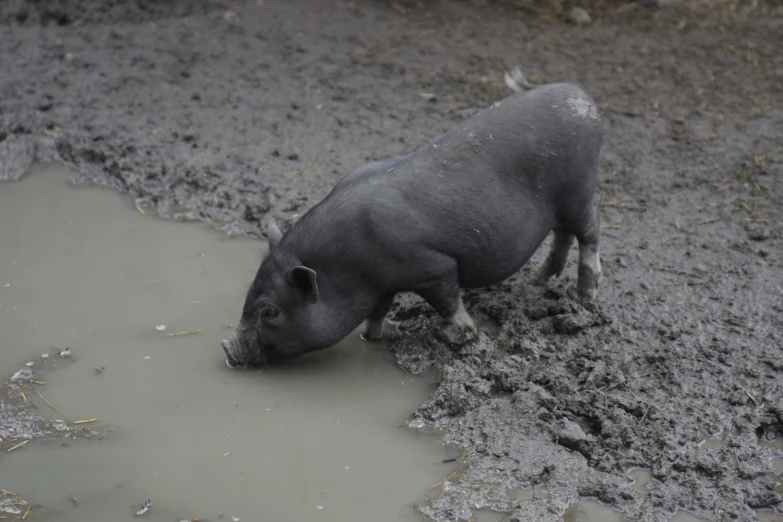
{"points": [[269, 313]]}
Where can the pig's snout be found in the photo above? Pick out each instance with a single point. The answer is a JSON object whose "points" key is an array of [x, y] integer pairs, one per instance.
{"points": [[243, 350]]}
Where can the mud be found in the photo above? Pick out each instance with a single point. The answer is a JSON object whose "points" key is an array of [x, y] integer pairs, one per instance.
{"points": [[252, 110]]}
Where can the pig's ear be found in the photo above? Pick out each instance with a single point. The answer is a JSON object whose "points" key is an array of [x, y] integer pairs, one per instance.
{"points": [[273, 235], [303, 278]]}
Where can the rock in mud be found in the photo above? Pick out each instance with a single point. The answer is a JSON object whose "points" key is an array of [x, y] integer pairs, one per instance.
{"points": [[757, 231], [455, 337], [578, 16], [571, 323], [17, 153], [569, 434], [534, 397]]}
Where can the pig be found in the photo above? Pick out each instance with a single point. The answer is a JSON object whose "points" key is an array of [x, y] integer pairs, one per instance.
{"points": [[467, 210]]}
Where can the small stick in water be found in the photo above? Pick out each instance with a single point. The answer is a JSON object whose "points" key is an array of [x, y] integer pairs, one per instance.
{"points": [[85, 421], [461, 464], [46, 401], [27, 512], [18, 446], [188, 332]]}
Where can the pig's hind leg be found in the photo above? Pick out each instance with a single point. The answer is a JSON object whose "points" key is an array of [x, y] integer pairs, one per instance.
{"points": [[555, 261], [580, 222], [589, 258]]}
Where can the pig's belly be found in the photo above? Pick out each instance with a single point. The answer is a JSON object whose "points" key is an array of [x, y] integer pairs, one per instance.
{"points": [[491, 263]]}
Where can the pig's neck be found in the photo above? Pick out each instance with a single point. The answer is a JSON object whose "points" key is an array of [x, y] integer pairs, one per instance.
{"points": [[345, 300], [344, 303]]}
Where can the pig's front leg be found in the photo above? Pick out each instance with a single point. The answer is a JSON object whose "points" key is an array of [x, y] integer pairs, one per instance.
{"points": [[373, 330], [461, 317]]}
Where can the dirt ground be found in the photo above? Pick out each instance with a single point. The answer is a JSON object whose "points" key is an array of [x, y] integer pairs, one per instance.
{"points": [[236, 112]]}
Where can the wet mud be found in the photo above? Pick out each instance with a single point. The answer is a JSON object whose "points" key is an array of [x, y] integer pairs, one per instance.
{"points": [[252, 110]]}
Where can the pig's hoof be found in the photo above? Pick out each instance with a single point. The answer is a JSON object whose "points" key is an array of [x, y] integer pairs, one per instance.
{"points": [[373, 331], [589, 277], [461, 320], [586, 295]]}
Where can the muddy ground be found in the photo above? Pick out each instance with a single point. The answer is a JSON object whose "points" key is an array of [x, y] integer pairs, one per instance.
{"points": [[235, 112]]}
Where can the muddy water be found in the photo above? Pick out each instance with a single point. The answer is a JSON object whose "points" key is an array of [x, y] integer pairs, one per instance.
{"points": [[317, 439]]}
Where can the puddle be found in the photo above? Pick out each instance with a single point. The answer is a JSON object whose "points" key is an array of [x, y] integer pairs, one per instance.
{"points": [[319, 438], [643, 481], [487, 515], [713, 445], [777, 443], [524, 493], [489, 325], [590, 510], [713, 441]]}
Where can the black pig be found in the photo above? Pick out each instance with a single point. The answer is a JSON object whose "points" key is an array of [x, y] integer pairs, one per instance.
{"points": [[467, 210]]}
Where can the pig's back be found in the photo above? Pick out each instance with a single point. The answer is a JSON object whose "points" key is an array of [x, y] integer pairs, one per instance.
{"points": [[486, 193], [489, 191]]}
